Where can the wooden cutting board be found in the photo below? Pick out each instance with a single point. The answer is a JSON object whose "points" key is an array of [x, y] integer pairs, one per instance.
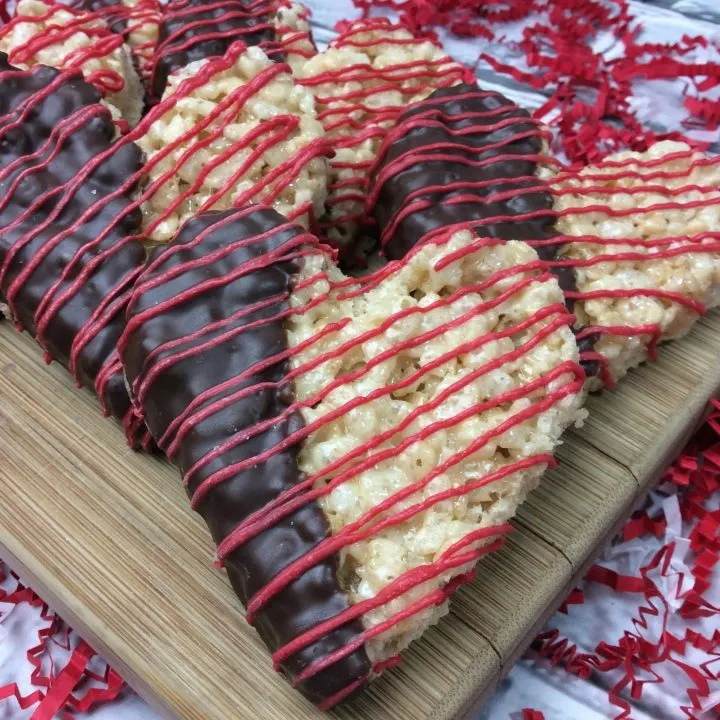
{"points": [[107, 538]]}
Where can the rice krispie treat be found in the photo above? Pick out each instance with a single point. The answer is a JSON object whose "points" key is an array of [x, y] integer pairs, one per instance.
{"points": [[362, 83], [469, 156], [643, 242], [67, 221], [65, 38], [193, 30], [354, 445], [138, 21], [228, 132]]}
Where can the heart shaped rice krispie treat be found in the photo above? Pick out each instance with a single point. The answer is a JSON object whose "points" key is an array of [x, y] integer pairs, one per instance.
{"points": [[67, 224], [193, 30], [465, 155], [230, 131], [362, 83], [642, 234], [353, 445], [65, 38]]}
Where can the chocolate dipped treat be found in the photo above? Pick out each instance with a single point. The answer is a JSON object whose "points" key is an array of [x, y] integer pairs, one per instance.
{"points": [[67, 257], [466, 157], [193, 30], [138, 21], [363, 83], [353, 445], [71, 39], [630, 239]]}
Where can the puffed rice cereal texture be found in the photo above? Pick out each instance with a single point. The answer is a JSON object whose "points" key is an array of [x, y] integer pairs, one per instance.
{"points": [[235, 139], [668, 173], [440, 372]]}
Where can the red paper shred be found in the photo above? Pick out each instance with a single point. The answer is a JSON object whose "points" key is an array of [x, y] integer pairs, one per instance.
{"points": [[529, 714], [590, 95], [58, 689], [640, 661]]}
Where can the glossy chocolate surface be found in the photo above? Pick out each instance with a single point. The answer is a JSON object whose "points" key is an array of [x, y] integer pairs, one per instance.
{"points": [[55, 206], [194, 30], [466, 156], [211, 342]]}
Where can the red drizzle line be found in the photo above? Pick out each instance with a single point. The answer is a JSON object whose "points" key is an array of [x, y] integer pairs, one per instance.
{"points": [[336, 111], [649, 172], [58, 32], [266, 136], [132, 20], [536, 329], [257, 17]]}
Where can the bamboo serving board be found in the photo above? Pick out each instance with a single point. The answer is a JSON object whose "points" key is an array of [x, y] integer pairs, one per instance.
{"points": [[107, 538]]}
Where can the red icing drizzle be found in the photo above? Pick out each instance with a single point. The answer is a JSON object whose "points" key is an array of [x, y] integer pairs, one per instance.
{"points": [[335, 112], [265, 136], [649, 171], [59, 32], [52, 301], [254, 12], [568, 377], [132, 20]]}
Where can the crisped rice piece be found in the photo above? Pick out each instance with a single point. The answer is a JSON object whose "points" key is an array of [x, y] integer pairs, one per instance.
{"points": [[294, 33], [69, 39], [373, 437], [192, 30], [362, 83], [460, 343], [231, 131], [666, 203]]}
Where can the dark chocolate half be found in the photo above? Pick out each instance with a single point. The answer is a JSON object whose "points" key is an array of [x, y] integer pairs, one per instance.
{"points": [[199, 29], [226, 250], [465, 155], [53, 208], [112, 11], [472, 152]]}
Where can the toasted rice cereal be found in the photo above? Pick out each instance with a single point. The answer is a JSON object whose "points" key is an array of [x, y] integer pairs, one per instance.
{"points": [[693, 274], [143, 28], [64, 38], [138, 21], [293, 30], [369, 566], [272, 126], [362, 82]]}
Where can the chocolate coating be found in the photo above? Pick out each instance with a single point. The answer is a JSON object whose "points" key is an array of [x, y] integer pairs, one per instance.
{"points": [[316, 595], [482, 138], [430, 124], [112, 11], [198, 29], [56, 137]]}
